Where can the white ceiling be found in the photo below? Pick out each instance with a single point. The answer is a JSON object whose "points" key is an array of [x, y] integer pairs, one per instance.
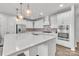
{"points": [[46, 8]]}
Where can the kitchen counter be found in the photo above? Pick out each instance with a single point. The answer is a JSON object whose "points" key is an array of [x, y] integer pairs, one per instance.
{"points": [[16, 43]]}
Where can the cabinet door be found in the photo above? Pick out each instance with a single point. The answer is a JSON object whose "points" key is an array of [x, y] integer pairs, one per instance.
{"points": [[64, 18], [46, 20], [33, 51], [67, 17], [29, 24], [39, 24], [53, 21], [43, 50], [60, 18]]}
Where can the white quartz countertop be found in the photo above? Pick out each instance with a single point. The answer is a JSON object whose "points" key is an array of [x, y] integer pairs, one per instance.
{"points": [[17, 42]]}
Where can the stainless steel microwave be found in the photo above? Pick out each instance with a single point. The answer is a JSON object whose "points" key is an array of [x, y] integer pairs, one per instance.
{"points": [[63, 35]]}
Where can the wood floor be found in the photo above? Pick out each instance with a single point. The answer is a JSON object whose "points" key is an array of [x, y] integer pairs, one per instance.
{"points": [[61, 51]]}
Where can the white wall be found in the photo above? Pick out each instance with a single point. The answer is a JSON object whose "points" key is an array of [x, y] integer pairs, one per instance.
{"points": [[28, 24], [11, 24], [3, 23]]}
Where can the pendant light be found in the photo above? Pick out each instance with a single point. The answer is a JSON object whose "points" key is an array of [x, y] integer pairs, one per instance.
{"points": [[28, 10], [19, 13]]}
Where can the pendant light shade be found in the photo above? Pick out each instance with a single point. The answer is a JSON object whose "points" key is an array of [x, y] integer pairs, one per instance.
{"points": [[19, 13], [28, 10], [19, 17]]}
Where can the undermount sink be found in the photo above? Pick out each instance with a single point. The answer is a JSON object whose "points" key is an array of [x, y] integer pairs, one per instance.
{"points": [[35, 33], [42, 33], [47, 32]]}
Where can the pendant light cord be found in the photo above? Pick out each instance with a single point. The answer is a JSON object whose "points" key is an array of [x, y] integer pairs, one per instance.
{"points": [[17, 11], [28, 6], [21, 8]]}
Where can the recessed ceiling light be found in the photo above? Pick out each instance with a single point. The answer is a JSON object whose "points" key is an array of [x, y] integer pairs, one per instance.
{"points": [[41, 13], [61, 5]]}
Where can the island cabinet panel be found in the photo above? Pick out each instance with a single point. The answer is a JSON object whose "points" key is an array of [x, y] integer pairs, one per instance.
{"points": [[47, 48], [33, 51], [26, 53], [52, 47], [44, 49], [39, 50]]}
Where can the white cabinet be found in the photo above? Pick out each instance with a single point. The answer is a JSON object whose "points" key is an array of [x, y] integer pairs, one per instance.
{"points": [[39, 24], [42, 22], [33, 51], [29, 24], [46, 20], [53, 21], [39, 50], [43, 50], [64, 18], [47, 48]]}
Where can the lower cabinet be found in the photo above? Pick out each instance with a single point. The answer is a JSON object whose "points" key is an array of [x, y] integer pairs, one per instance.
{"points": [[40, 50], [33, 51], [44, 49]]}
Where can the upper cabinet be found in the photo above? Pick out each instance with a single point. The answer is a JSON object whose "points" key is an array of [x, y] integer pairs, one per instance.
{"points": [[53, 21], [3, 23], [38, 24], [29, 24], [46, 20], [64, 18]]}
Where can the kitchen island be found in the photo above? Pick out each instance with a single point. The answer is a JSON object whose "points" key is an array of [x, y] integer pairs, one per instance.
{"points": [[31, 44]]}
